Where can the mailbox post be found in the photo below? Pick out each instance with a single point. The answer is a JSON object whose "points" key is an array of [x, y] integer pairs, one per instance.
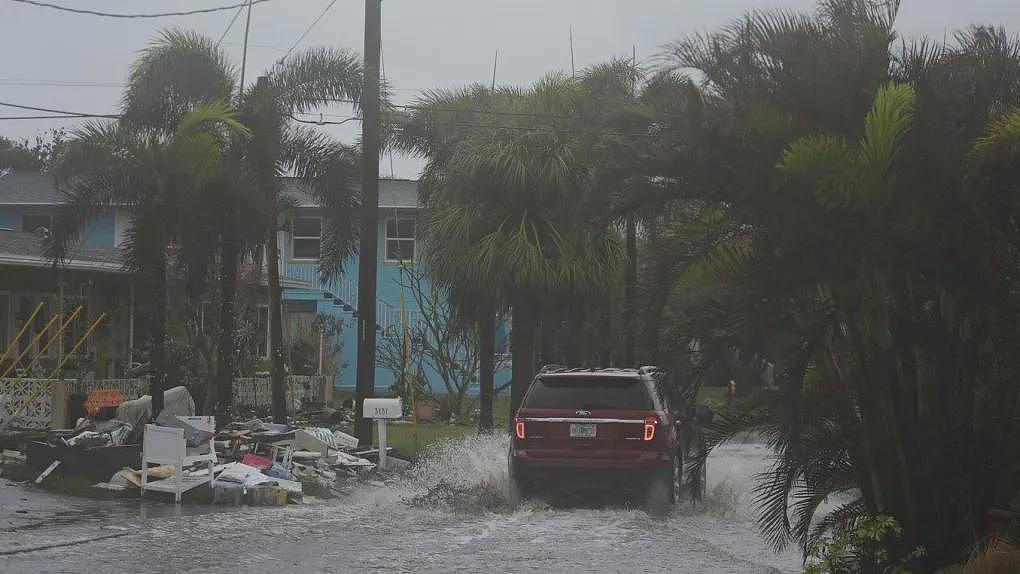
{"points": [[381, 410]]}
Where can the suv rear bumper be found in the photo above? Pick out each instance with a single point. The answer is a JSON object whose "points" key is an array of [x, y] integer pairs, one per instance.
{"points": [[573, 472]]}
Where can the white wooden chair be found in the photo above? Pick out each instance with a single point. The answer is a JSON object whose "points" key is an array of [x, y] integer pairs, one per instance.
{"points": [[166, 445]]}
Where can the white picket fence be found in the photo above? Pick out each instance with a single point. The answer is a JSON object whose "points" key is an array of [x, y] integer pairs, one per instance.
{"points": [[256, 392]]}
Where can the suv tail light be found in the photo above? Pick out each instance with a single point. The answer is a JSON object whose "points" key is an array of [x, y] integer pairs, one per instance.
{"points": [[651, 423], [519, 428]]}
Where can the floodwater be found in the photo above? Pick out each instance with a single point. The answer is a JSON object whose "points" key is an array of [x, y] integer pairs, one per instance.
{"points": [[449, 516]]}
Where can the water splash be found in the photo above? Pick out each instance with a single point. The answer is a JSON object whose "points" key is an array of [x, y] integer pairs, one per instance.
{"points": [[469, 475]]}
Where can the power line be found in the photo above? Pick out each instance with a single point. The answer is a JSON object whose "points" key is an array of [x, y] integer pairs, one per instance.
{"points": [[307, 30], [229, 26], [322, 122], [451, 123], [58, 83], [149, 15], [45, 117], [52, 111]]}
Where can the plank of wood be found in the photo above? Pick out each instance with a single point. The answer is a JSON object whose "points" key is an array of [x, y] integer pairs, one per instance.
{"points": [[47, 472]]}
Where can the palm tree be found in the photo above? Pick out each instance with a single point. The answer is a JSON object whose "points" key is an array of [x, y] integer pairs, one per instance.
{"points": [[504, 199], [871, 269], [176, 73], [241, 210], [155, 174], [310, 79]]}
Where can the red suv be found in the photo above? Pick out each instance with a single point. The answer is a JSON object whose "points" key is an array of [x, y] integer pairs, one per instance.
{"points": [[581, 428]]}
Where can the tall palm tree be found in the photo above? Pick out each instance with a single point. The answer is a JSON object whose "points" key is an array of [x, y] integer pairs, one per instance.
{"points": [[504, 198], [242, 210], [157, 175], [176, 73], [308, 80], [871, 269]]}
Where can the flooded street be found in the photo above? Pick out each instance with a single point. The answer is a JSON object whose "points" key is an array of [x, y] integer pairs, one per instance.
{"points": [[411, 527]]}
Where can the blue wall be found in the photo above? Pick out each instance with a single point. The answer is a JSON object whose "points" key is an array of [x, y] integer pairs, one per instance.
{"points": [[388, 291], [99, 232]]}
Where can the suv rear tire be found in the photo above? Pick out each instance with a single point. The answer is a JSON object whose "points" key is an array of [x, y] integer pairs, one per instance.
{"points": [[514, 486], [664, 488]]}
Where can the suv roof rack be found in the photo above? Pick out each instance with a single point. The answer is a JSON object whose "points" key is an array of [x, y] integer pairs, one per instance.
{"points": [[642, 370]]}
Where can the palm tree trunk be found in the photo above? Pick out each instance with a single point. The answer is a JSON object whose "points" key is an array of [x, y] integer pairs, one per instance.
{"points": [[278, 382], [522, 341], [225, 348], [157, 334], [604, 327], [486, 366], [630, 294], [548, 337], [572, 336]]}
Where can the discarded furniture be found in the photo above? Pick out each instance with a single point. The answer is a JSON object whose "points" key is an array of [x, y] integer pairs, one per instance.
{"points": [[166, 445]]}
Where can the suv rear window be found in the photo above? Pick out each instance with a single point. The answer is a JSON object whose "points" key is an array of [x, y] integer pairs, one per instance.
{"points": [[589, 393]]}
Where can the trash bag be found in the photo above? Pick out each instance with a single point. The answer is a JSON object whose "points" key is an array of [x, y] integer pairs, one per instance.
{"points": [[138, 412]]}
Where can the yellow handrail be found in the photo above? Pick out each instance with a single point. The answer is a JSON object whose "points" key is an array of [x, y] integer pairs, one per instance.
{"points": [[42, 384], [28, 348], [21, 332], [60, 331], [88, 332]]}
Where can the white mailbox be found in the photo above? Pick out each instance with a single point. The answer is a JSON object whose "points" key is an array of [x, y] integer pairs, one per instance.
{"points": [[380, 410], [383, 409]]}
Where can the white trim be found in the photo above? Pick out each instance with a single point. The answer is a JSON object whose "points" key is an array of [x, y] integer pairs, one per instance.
{"points": [[396, 217], [122, 222], [73, 264], [293, 237]]}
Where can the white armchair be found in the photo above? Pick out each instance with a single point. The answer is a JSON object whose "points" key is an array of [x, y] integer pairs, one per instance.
{"points": [[166, 445]]}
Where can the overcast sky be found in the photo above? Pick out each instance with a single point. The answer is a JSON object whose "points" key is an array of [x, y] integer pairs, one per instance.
{"points": [[77, 62]]}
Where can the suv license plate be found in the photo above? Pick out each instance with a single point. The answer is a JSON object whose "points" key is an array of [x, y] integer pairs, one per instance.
{"points": [[582, 431]]}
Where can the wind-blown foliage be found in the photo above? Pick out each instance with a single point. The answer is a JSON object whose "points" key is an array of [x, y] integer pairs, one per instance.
{"points": [[156, 177], [860, 279]]}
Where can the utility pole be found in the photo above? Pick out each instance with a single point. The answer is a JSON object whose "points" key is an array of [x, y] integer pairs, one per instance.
{"points": [[244, 51], [630, 273], [369, 241]]}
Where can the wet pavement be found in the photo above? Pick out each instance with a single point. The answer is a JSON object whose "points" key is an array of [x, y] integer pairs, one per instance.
{"points": [[377, 528]]}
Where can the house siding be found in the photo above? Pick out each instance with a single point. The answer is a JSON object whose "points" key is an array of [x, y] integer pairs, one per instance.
{"points": [[99, 232], [336, 298]]}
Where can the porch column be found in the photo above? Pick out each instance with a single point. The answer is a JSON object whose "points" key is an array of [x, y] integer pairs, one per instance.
{"points": [[131, 322]]}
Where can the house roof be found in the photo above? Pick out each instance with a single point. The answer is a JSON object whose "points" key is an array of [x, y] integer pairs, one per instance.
{"points": [[21, 249], [39, 189], [28, 189], [393, 193]]}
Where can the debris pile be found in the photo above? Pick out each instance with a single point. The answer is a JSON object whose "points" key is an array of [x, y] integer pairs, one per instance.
{"points": [[251, 462]]}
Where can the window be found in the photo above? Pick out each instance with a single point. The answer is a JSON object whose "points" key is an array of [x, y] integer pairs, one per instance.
{"points": [[400, 239], [588, 393], [30, 223], [298, 319], [306, 238]]}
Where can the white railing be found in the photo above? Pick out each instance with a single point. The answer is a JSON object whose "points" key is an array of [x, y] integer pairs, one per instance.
{"points": [[257, 393], [387, 315], [31, 401]]}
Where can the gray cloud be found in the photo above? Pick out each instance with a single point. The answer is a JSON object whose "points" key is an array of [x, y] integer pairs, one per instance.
{"points": [[76, 62]]}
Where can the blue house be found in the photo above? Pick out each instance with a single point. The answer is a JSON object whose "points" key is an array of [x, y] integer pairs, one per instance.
{"points": [[28, 202]]}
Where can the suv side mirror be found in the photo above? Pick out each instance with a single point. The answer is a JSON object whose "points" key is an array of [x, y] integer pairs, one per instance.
{"points": [[703, 414]]}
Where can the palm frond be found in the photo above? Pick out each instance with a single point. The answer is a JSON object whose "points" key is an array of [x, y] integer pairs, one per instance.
{"points": [[179, 71], [331, 171], [316, 77], [886, 126]]}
